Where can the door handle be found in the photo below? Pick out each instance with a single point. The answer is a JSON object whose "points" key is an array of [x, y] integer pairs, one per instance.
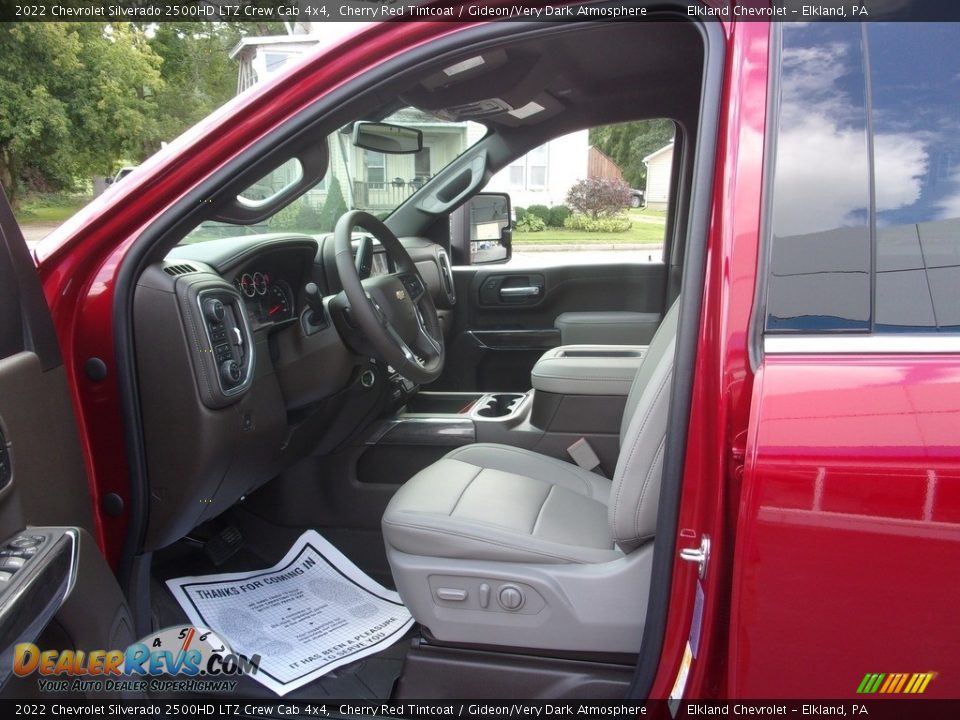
{"points": [[525, 291]]}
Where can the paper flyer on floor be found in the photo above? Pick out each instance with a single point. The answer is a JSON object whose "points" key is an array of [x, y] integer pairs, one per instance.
{"points": [[311, 613]]}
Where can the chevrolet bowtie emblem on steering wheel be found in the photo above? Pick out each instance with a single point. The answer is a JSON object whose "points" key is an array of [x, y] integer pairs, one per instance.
{"points": [[401, 294]]}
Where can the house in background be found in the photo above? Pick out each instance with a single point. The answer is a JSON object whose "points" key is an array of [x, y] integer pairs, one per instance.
{"points": [[659, 171], [369, 180], [375, 181], [545, 175]]}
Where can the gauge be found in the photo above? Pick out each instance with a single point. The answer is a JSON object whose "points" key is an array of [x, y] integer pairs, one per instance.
{"points": [[276, 305], [247, 285], [260, 283]]}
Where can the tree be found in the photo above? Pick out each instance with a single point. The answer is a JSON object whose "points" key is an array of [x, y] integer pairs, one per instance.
{"points": [[628, 143], [198, 74], [74, 97], [333, 207]]}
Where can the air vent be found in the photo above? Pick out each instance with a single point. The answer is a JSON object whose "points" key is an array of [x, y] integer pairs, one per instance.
{"points": [[179, 269]]}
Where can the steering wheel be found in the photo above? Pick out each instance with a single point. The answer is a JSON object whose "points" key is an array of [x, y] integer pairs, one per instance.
{"points": [[395, 311]]}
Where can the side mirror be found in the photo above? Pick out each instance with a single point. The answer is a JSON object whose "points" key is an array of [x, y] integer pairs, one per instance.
{"points": [[482, 230], [385, 138]]}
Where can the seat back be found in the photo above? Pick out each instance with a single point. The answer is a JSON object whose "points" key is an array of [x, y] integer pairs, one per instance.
{"points": [[635, 493]]}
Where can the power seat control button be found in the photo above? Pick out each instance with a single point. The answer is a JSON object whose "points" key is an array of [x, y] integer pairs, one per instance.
{"points": [[510, 598], [451, 594]]}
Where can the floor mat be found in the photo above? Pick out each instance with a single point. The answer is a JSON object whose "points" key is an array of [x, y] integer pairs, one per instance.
{"points": [[312, 612]]}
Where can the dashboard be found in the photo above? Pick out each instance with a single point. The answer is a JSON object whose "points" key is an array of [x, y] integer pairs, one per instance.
{"points": [[240, 376]]}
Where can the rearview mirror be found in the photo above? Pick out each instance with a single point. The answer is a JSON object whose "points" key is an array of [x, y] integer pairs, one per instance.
{"points": [[389, 139]]}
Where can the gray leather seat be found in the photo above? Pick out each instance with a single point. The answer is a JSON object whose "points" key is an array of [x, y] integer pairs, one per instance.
{"points": [[488, 517]]}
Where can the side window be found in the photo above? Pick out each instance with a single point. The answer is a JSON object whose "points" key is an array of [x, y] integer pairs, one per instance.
{"points": [[598, 195], [847, 255], [820, 262], [915, 98]]}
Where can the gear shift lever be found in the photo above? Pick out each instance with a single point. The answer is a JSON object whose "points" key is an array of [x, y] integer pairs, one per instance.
{"points": [[317, 317]]}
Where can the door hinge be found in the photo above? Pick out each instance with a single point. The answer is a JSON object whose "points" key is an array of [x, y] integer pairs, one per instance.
{"points": [[699, 555]]}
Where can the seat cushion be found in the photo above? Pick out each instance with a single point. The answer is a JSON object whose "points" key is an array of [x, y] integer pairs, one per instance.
{"points": [[495, 502]]}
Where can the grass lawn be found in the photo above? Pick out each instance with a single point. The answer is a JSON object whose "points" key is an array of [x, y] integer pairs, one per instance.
{"points": [[49, 208], [642, 232], [647, 213]]}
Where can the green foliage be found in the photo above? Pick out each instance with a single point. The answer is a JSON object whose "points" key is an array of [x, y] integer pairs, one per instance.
{"points": [[333, 207], [531, 223], [541, 211], [520, 213], [628, 143], [604, 224], [74, 97], [82, 99], [558, 216], [287, 218], [308, 219], [598, 197], [198, 74]]}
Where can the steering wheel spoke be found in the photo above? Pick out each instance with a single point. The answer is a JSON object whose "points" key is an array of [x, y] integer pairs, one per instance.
{"points": [[413, 285]]}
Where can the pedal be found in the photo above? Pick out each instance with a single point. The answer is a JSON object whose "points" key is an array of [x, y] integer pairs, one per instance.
{"points": [[224, 545]]}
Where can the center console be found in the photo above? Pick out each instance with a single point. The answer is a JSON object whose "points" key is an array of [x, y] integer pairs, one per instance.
{"points": [[579, 391]]}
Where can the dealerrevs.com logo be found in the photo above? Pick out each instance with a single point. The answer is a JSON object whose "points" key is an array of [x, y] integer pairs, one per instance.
{"points": [[177, 659]]}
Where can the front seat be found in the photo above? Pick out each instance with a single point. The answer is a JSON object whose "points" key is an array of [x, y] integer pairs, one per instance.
{"points": [[495, 545]]}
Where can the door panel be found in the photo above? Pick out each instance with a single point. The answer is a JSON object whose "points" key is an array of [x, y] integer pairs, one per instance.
{"points": [[850, 526], [504, 319], [59, 589]]}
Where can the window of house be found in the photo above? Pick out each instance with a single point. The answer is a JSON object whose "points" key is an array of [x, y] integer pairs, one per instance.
{"points": [[273, 61], [537, 168], [517, 173], [376, 165], [421, 164], [849, 255]]}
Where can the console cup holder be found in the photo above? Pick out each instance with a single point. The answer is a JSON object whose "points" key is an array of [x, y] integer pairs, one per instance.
{"points": [[498, 405]]}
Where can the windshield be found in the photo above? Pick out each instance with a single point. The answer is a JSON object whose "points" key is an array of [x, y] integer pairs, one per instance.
{"points": [[356, 178]]}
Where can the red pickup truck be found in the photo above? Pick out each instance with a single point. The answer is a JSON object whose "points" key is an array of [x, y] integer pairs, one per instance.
{"points": [[766, 501]]}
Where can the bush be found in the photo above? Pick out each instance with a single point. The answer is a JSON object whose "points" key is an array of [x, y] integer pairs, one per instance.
{"points": [[286, 218], [599, 197], [558, 216], [541, 211], [520, 213], [607, 224], [308, 219], [530, 223]]}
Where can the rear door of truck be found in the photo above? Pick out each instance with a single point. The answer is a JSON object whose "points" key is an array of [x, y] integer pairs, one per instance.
{"points": [[848, 541]]}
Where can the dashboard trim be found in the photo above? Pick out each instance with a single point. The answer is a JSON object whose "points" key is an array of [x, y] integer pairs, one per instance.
{"points": [[250, 365]]}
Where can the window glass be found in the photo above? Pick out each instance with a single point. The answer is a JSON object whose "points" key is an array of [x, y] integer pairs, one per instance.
{"points": [[537, 168], [915, 101], [376, 167], [821, 257], [516, 174], [275, 61]]}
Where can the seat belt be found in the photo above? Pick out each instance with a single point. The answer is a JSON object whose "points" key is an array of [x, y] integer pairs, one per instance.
{"points": [[584, 456]]}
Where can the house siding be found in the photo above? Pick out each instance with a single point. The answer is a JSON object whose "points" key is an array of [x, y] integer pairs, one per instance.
{"points": [[567, 162], [659, 171]]}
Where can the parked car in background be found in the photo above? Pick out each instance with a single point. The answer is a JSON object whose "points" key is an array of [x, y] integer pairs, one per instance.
{"points": [[677, 479], [636, 198]]}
